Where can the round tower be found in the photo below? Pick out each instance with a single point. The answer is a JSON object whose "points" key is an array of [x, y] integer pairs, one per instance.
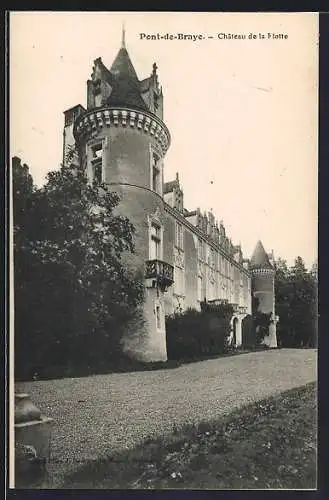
{"points": [[262, 285], [122, 141]]}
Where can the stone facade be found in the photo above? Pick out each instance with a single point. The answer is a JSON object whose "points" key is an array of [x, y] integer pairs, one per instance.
{"points": [[186, 257]]}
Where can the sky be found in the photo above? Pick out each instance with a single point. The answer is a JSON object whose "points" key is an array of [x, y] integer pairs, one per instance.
{"points": [[242, 113]]}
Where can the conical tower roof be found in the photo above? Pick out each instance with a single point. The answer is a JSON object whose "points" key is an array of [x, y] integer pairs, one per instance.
{"points": [[259, 258], [123, 66], [126, 88]]}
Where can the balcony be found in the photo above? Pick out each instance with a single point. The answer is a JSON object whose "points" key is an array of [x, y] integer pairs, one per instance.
{"points": [[161, 272], [239, 309]]}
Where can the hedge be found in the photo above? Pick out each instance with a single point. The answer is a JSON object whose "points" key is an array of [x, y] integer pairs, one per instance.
{"points": [[194, 333]]}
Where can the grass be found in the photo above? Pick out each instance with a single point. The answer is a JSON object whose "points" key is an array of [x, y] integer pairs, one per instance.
{"points": [[268, 444]]}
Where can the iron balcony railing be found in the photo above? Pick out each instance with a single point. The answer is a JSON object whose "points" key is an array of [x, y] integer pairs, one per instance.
{"points": [[236, 307], [160, 271]]}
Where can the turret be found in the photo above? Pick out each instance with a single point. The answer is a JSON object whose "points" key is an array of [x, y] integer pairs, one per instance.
{"points": [[262, 285], [122, 140]]}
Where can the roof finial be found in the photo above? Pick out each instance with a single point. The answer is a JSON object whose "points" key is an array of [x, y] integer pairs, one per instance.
{"points": [[123, 40]]}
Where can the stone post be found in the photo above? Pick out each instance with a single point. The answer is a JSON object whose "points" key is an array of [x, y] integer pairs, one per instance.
{"points": [[32, 444]]}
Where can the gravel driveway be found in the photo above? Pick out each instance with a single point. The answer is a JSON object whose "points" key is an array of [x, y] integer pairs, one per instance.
{"points": [[99, 414]]}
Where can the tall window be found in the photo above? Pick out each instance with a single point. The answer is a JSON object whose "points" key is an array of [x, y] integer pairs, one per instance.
{"points": [[155, 100], [179, 237], [97, 163], [155, 250], [156, 173]]}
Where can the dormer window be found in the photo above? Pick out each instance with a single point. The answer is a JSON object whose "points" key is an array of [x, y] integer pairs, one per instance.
{"points": [[97, 86], [155, 100]]}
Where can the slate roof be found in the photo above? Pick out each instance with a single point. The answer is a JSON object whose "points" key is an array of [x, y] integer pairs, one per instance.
{"points": [[144, 85], [122, 65], [125, 83], [168, 187], [259, 258], [189, 213]]}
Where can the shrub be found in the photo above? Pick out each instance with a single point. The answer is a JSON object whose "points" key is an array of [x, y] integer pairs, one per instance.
{"points": [[194, 333], [262, 323], [248, 332]]}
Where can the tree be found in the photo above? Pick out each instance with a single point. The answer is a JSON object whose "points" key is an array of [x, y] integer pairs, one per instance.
{"points": [[23, 189], [314, 270], [281, 269], [74, 294], [299, 269], [296, 304]]}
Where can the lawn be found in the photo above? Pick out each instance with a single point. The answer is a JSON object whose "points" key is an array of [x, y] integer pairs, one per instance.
{"points": [[101, 415], [267, 444]]}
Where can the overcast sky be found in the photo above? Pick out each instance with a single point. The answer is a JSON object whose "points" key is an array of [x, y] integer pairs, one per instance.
{"points": [[242, 113]]}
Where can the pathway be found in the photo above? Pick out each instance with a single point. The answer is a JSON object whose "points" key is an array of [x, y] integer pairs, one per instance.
{"points": [[99, 414]]}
